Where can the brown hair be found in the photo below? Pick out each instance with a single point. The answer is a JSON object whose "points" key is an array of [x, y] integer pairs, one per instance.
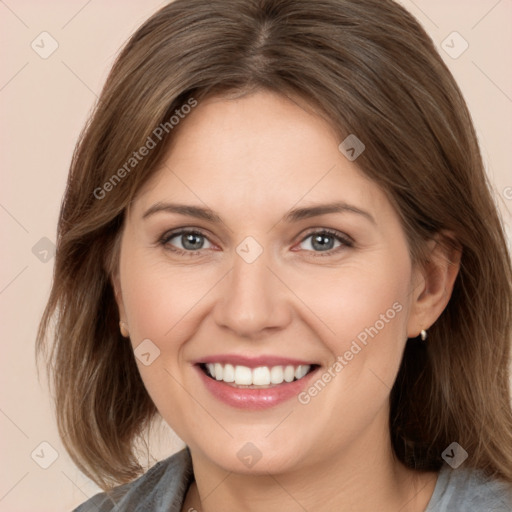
{"points": [[370, 68]]}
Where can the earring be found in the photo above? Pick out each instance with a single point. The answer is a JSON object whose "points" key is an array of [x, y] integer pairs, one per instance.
{"points": [[423, 335], [124, 329]]}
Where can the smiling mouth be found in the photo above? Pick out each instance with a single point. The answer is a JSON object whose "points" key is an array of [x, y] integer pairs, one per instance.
{"points": [[256, 378]]}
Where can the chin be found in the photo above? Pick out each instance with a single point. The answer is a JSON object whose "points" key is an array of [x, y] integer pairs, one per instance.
{"points": [[258, 457]]}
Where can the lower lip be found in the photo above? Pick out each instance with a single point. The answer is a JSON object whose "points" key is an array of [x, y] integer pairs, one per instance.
{"points": [[252, 398]]}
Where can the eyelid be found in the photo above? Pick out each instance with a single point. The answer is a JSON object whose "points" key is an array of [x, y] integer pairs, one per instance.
{"points": [[169, 235], [346, 240]]}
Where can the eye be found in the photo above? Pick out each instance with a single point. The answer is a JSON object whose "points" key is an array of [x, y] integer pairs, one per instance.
{"points": [[324, 241], [188, 241]]}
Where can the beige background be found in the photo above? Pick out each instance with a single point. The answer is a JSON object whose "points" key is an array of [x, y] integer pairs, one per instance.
{"points": [[45, 102]]}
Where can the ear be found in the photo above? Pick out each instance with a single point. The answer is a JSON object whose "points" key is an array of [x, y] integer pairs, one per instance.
{"points": [[116, 285], [433, 282], [111, 267]]}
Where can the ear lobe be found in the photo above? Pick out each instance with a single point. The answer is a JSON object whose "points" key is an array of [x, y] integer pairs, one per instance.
{"points": [[435, 289]]}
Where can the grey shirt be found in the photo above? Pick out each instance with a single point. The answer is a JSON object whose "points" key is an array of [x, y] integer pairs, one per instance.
{"points": [[164, 486]]}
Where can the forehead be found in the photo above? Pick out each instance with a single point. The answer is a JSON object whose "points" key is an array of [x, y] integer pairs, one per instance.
{"points": [[256, 153]]}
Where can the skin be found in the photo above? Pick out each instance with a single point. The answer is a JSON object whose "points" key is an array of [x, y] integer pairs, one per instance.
{"points": [[251, 159]]}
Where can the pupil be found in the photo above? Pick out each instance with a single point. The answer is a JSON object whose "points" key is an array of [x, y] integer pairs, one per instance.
{"points": [[323, 241], [189, 241]]}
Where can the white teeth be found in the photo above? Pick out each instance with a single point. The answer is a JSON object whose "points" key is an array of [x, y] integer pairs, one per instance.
{"points": [[301, 371], [276, 375], [218, 371], [260, 376], [243, 375], [289, 373], [229, 373]]}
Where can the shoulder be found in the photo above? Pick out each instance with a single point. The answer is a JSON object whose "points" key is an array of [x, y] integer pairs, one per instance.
{"points": [[470, 490], [162, 487]]}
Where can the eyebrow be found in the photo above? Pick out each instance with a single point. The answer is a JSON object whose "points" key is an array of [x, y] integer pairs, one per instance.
{"points": [[294, 215]]}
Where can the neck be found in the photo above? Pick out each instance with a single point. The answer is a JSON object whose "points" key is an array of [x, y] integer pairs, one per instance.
{"points": [[361, 476]]}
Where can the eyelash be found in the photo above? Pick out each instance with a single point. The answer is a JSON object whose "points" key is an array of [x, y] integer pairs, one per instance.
{"points": [[345, 240]]}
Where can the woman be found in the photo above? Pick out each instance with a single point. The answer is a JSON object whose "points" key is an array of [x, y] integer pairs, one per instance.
{"points": [[278, 236]]}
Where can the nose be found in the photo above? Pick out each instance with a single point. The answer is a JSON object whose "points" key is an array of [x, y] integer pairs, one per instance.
{"points": [[252, 299]]}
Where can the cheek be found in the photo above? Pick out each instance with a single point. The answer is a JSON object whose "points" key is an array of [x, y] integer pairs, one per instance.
{"points": [[160, 298], [162, 305], [367, 308], [362, 301]]}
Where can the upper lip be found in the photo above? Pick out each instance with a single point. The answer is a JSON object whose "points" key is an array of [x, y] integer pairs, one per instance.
{"points": [[252, 362]]}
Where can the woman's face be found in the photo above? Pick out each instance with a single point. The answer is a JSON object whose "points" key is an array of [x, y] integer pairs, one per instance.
{"points": [[274, 276]]}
